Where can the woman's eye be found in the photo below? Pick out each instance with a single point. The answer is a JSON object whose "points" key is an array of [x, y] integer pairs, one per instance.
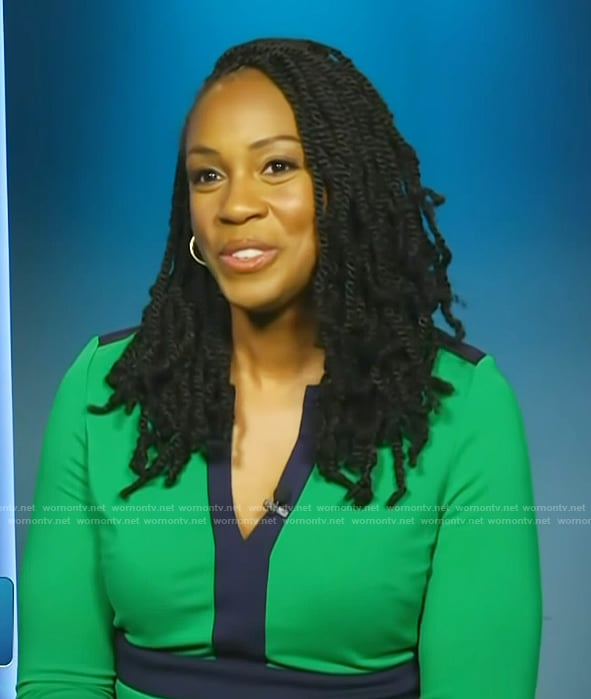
{"points": [[278, 167], [204, 176]]}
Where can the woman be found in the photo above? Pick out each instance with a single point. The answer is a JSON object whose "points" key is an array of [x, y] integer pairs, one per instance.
{"points": [[327, 493]]}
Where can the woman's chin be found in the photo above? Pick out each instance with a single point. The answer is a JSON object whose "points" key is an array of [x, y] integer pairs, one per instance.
{"points": [[263, 307]]}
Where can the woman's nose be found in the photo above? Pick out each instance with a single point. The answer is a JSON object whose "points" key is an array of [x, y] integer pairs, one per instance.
{"points": [[241, 201]]}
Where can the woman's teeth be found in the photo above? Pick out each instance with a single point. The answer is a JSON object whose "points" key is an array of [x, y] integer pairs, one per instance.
{"points": [[247, 254]]}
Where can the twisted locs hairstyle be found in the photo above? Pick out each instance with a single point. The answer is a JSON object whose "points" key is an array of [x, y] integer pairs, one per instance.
{"points": [[379, 279]]}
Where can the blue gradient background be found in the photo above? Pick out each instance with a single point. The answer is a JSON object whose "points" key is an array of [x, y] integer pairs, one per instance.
{"points": [[494, 95]]}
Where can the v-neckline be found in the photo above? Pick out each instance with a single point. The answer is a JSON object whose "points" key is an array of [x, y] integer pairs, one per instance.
{"points": [[290, 483], [242, 564]]}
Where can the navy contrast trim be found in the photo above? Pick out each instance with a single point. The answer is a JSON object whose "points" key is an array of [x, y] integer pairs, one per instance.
{"points": [[116, 335], [170, 676], [242, 565], [468, 352]]}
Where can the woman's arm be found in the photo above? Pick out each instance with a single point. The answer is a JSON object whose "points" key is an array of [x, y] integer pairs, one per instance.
{"points": [[481, 625], [65, 620]]}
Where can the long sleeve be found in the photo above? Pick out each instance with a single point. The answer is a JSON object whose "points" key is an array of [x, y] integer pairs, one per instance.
{"points": [[64, 617], [481, 625]]}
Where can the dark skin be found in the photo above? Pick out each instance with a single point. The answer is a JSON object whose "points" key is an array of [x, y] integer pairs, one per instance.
{"points": [[265, 193]]}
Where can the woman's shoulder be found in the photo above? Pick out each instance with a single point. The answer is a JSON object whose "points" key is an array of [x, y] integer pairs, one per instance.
{"points": [[473, 371], [117, 337], [94, 360], [448, 346], [456, 361]]}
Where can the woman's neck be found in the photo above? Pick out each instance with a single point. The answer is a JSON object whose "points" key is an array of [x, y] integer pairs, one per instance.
{"points": [[273, 352]]}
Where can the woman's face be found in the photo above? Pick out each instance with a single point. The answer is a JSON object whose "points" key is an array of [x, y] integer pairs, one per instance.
{"points": [[248, 181]]}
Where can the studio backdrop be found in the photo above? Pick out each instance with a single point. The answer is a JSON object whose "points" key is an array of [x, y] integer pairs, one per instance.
{"points": [[495, 95]]}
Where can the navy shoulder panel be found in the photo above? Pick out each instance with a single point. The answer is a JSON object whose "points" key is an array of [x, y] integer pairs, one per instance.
{"points": [[461, 349], [116, 335]]}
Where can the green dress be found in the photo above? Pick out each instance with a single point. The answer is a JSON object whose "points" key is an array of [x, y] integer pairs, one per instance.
{"points": [[160, 596]]}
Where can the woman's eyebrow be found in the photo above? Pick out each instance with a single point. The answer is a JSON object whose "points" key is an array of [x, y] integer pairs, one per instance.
{"points": [[206, 150]]}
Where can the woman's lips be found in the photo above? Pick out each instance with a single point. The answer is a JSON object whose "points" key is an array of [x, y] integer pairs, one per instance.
{"points": [[250, 264], [244, 244]]}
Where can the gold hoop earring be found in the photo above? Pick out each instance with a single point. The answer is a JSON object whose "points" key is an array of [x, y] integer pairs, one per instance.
{"points": [[193, 254]]}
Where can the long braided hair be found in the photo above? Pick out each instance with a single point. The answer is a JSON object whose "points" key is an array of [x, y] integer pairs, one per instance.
{"points": [[379, 279]]}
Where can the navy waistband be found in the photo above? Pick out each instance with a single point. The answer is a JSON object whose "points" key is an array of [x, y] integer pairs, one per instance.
{"points": [[173, 676]]}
